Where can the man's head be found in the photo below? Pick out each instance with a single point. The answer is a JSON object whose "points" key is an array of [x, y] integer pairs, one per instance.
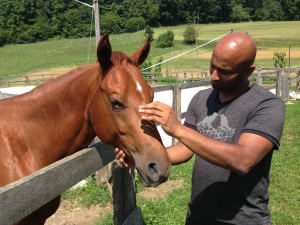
{"points": [[232, 61]]}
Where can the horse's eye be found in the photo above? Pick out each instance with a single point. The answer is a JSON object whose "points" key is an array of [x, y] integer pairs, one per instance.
{"points": [[116, 105]]}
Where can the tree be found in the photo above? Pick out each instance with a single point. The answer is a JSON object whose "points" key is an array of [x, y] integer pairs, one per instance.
{"points": [[239, 14], [149, 32], [135, 24], [165, 39], [111, 23], [190, 35]]}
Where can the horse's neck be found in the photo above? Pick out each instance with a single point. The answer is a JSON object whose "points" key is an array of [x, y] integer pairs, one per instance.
{"points": [[59, 112]]}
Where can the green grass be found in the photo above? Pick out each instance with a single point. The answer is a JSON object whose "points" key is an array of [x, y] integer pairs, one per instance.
{"points": [[88, 195], [285, 172], [29, 58]]}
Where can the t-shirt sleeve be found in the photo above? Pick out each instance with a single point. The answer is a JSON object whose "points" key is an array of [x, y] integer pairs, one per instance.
{"points": [[267, 120]]}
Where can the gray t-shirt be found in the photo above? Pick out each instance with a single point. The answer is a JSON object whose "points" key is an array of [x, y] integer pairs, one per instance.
{"points": [[223, 195]]}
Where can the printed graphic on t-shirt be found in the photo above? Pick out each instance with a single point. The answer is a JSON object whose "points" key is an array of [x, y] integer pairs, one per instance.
{"points": [[216, 126]]}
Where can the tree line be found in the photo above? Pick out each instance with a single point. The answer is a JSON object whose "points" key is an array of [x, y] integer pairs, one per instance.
{"points": [[26, 21]]}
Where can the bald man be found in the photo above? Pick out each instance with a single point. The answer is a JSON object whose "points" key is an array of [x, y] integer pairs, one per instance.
{"points": [[232, 128]]}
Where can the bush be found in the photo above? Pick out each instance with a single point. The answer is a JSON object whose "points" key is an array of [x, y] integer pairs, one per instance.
{"points": [[135, 24], [279, 58], [149, 32], [111, 24], [189, 36], [4, 37], [165, 40]]}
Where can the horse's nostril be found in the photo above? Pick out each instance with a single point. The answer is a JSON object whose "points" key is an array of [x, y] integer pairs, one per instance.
{"points": [[153, 172], [153, 166]]}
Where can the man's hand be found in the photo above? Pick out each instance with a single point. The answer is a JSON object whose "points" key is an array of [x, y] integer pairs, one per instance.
{"points": [[162, 114], [120, 156]]}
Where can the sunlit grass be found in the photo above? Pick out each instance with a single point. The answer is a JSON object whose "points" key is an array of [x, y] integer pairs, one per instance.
{"points": [[29, 58]]}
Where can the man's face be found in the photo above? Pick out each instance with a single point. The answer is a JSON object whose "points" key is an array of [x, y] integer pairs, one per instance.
{"points": [[226, 74]]}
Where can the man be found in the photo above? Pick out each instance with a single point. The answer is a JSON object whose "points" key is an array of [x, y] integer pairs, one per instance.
{"points": [[233, 129]]}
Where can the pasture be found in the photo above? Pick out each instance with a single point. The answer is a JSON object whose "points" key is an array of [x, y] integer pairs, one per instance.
{"points": [[58, 56]]}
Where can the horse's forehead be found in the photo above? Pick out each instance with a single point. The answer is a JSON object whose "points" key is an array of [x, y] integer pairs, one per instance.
{"points": [[126, 76]]}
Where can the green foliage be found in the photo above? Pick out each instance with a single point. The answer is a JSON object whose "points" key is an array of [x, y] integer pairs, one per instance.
{"points": [[165, 39], [135, 24], [190, 35], [149, 32], [279, 58], [239, 14], [157, 68], [111, 23], [31, 21]]}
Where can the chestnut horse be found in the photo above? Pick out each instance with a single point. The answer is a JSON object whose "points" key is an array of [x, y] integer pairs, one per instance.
{"points": [[63, 116]]}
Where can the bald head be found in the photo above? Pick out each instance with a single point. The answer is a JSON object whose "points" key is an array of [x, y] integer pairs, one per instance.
{"points": [[236, 49]]}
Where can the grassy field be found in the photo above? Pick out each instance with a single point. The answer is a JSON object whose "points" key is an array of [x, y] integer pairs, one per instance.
{"points": [[44, 56]]}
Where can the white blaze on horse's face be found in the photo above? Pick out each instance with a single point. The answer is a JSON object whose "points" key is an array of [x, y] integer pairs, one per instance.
{"points": [[139, 87]]}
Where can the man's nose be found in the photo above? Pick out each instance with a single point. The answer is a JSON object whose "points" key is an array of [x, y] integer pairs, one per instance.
{"points": [[214, 74]]}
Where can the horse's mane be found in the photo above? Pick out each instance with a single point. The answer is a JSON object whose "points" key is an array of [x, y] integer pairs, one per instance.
{"points": [[118, 57], [52, 84]]}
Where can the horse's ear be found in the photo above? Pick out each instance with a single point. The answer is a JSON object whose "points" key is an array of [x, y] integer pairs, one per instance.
{"points": [[104, 53], [141, 54]]}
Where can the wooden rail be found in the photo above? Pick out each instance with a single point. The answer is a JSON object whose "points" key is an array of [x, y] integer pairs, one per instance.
{"points": [[26, 195], [180, 76]]}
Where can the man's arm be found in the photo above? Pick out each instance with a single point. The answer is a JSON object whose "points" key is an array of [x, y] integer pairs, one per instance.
{"points": [[179, 153], [240, 157]]}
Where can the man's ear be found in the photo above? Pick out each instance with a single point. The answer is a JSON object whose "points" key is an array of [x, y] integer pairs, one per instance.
{"points": [[250, 70]]}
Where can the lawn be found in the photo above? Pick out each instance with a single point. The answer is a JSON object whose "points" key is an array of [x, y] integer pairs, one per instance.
{"points": [[270, 37]]}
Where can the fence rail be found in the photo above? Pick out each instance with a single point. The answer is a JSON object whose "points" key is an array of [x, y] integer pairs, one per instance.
{"points": [[26, 195]]}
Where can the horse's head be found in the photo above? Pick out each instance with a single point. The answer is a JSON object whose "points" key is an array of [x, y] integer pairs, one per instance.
{"points": [[114, 112]]}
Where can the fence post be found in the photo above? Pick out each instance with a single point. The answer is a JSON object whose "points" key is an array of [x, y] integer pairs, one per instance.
{"points": [[124, 199], [278, 83], [152, 79], [259, 78], [282, 85], [285, 87], [298, 82], [177, 104]]}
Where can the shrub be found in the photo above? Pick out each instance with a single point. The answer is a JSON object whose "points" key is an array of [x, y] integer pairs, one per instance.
{"points": [[135, 24], [189, 35], [149, 32], [111, 23], [165, 39], [279, 59]]}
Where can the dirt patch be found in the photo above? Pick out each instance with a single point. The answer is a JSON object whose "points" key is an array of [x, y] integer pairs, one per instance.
{"points": [[261, 54], [67, 214], [162, 190]]}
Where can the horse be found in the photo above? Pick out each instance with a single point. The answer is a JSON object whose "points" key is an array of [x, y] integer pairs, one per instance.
{"points": [[64, 115]]}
